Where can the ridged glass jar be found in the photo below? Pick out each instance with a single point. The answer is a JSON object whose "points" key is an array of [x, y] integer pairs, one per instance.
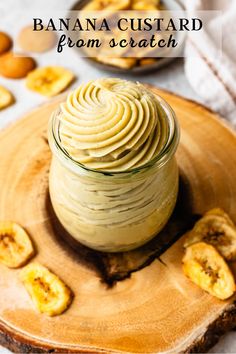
{"points": [[116, 211]]}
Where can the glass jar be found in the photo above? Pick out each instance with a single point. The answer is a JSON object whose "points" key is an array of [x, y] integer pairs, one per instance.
{"points": [[116, 211]]}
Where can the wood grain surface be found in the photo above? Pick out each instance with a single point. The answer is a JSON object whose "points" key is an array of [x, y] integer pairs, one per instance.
{"points": [[113, 267], [155, 310]]}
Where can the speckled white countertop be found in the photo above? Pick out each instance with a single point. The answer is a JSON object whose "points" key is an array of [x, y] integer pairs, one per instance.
{"points": [[171, 77]]}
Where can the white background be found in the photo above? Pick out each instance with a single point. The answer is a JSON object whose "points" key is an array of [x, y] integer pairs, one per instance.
{"points": [[171, 77]]}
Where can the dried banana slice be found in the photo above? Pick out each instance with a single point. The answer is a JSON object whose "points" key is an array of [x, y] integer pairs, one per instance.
{"points": [[124, 63], [6, 98], [145, 5], [147, 61], [220, 212], [216, 231], [15, 245], [49, 80], [116, 5], [206, 268], [49, 294]]}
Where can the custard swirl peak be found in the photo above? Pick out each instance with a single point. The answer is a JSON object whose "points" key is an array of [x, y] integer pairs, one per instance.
{"points": [[112, 125]]}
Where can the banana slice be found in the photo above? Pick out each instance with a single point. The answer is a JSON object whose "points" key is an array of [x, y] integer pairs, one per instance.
{"points": [[222, 213], [147, 61], [15, 245], [206, 268], [50, 80], [6, 98], [92, 6], [49, 294], [124, 63], [116, 5], [145, 5], [216, 231]]}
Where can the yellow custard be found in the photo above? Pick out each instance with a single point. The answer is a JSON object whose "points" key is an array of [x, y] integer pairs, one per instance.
{"points": [[113, 177], [112, 125]]}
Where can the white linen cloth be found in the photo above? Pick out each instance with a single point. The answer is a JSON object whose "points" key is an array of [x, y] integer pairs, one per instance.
{"points": [[211, 75]]}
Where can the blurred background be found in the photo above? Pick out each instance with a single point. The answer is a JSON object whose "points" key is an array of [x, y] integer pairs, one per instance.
{"points": [[207, 73], [170, 77]]}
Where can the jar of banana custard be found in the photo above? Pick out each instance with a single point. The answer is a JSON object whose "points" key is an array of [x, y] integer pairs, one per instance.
{"points": [[113, 176]]}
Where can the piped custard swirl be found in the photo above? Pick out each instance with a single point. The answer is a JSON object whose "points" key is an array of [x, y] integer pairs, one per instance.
{"points": [[112, 125]]}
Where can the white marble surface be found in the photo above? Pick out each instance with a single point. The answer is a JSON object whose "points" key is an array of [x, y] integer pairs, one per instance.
{"points": [[171, 77]]}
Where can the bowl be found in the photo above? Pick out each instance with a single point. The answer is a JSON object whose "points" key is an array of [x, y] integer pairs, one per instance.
{"points": [[171, 5]]}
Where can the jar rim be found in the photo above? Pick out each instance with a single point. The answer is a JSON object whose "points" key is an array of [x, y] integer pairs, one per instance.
{"points": [[161, 158]]}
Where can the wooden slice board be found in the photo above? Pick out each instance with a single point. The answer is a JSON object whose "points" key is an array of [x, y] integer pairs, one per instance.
{"points": [[157, 309]]}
